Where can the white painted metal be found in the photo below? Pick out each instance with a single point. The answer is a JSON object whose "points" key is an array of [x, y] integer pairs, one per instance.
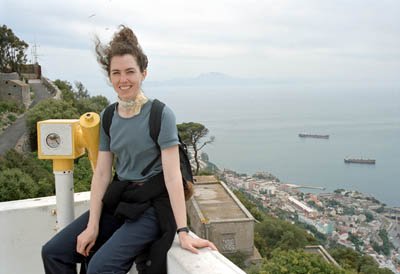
{"points": [[28, 224], [65, 197]]}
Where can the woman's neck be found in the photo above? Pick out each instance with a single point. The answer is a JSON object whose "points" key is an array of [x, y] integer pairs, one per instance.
{"points": [[130, 108]]}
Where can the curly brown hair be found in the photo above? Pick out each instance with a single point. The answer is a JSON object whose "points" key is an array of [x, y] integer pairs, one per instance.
{"points": [[123, 42]]}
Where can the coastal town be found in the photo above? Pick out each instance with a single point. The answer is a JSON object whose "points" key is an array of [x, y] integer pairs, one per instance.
{"points": [[345, 218]]}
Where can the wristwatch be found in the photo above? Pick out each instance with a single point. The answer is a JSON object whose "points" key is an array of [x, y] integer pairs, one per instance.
{"points": [[186, 229]]}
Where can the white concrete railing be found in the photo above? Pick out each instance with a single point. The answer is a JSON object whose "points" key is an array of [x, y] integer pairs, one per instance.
{"points": [[27, 224]]}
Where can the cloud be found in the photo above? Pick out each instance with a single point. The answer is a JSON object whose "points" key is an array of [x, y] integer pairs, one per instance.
{"points": [[280, 38]]}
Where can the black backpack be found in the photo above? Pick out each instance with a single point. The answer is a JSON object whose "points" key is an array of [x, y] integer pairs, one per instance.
{"points": [[155, 126]]}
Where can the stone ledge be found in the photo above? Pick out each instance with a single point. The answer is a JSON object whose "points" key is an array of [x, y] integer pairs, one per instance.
{"points": [[181, 261]]}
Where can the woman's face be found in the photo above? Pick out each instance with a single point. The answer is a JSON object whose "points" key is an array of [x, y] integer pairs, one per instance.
{"points": [[125, 76]]}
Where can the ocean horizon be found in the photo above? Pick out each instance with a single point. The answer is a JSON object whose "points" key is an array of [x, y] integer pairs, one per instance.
{"points": [[256, 129]]}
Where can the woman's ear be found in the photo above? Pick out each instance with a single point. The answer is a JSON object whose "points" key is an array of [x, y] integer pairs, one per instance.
{"points": [[144, 74]]}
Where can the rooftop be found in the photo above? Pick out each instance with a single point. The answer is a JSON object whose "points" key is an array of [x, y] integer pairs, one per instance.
{"points": [[216, 201]]}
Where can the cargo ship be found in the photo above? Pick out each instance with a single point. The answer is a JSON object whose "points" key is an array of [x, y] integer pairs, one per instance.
{"points": [[359, 161], [305, 135]]}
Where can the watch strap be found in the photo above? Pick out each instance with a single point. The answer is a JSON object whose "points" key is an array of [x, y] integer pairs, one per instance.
{"points": [[186, 229]]}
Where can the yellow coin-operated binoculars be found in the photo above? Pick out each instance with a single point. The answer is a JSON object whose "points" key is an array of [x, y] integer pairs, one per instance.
{"points": [[64, 140]]}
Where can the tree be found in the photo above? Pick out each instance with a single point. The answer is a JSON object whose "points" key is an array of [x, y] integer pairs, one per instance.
{"points": [[12, 51], [48, 109], [356, 261], [369, 216], [82, 92], [80, 99], [67, 92], [191, 134]]}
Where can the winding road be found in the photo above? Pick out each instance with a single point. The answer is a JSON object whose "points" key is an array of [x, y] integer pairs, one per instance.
{"points": [[10, 137]]}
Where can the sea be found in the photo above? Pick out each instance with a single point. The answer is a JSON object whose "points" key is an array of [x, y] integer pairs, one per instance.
{"points": [[256, 129]]}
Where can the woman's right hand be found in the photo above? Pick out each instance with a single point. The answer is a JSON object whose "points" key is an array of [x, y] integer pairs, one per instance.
{"points": [[86, 240]]}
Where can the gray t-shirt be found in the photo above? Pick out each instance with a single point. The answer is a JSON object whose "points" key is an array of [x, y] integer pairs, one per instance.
{"points": [[132, 145]]}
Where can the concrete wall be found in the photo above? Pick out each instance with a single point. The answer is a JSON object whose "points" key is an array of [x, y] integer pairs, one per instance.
{"points": [[27, 224], [233, 236], [9, 76], [229, 235], [52, 88], [15, 91]]}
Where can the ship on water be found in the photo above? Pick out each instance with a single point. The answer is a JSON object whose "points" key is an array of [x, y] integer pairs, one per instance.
{"points": [[359, 161], [306, 135]]}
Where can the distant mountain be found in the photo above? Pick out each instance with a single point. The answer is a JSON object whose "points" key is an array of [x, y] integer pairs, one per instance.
{"points": [[213, 79]]}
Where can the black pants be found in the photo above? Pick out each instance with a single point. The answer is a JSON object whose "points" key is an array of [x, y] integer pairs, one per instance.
{"points": [[118, 242]]}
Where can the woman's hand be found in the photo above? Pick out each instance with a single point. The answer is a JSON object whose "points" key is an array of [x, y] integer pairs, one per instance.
{"points": [[86, 240], [191, 244]]}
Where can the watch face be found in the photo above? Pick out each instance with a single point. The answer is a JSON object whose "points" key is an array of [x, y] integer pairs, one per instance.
{"points": [[53, 140]]}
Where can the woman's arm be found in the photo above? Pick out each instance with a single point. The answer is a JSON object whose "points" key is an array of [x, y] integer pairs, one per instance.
{"points": [[100, 180], [173, 182]]}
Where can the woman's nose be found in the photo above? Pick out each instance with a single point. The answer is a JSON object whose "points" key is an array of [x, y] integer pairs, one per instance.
{"points": [[123, 77]]}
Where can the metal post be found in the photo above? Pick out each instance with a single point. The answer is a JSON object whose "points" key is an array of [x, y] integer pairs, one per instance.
{"points": [[64, 197]]}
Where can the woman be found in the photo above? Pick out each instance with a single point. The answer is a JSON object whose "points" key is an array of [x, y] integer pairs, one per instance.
{"points": [[117, 241]]}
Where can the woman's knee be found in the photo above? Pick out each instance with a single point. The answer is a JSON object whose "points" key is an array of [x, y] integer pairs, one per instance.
{"points": [[46, 251]]}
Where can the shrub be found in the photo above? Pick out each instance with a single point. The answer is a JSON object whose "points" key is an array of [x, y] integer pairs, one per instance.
{"points": [[10, 107], [11, 117], [16, 184]]}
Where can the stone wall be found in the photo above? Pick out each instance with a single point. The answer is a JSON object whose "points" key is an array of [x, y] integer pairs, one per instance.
{"points": [[15, 91], [31, 71]]}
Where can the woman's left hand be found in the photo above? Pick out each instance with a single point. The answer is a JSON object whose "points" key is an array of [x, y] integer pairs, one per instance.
{"points": [[191, 244]]}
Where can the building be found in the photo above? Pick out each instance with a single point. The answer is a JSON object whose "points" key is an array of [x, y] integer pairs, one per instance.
{"points": [[216, 214], [31, 71], [13, 90], [302, 207]]}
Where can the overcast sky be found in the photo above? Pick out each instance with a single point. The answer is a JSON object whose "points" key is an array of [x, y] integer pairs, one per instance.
{"points": [[355, 42]]}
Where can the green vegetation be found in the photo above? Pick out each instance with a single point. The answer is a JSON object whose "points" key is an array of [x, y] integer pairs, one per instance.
{"points": [[356, 241], [238, 258], [12, 51], [281, 243], [380, 209], [357, 262], [73, 105], [296, 261], [48, 109], [80, 98], [387, 245], [205, 172], [251, 206], [9, 112], [265, 176], [12, 117], [369, 216], [339, 190], [191, 134], [26, 176], [322, 239], [10, 107], [332, 203]]}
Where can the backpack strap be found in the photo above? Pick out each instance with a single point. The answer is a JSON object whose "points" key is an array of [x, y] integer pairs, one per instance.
{"points": [[156, 111], [107, 118]]}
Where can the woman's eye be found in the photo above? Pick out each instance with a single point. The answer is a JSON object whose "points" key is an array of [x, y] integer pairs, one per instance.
{"points": [[115, 73]]}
